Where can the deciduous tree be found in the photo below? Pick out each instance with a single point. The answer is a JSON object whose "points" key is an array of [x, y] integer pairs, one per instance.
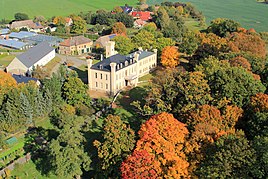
{"points": [[163, 137], [119, 28], [116, 143], [234, 153], [251, 43], [123, 45], [170, 57]]}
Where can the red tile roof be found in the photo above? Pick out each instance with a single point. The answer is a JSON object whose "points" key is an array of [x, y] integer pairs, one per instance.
{"points": [[143, 15]]}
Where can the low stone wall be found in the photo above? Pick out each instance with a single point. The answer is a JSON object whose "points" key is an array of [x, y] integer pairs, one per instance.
{"points": [[21, 160]]}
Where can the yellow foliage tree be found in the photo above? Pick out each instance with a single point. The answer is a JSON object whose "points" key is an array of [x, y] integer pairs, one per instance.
{"points": [[170, 57], [7, 82]]}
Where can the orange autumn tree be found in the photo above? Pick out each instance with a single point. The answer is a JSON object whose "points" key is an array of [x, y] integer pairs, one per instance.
{"points": [[119, 28], [170, 57], [259, 102], [7, 82], [207, 124], [247, 42], [163, 137]]}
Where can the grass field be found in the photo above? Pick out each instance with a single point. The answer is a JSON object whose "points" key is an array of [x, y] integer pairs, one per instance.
{"points": [[6, 59], [49, 8], [28, 170], [249, 13]]}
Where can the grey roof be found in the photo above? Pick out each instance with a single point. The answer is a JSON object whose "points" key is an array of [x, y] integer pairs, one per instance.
{"points": [[21, 34], [4, 31], [23, 79], [34, 54], [12, 44], [44, 38], [118, 59]]}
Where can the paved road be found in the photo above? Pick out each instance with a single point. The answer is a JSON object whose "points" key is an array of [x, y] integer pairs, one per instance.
{"points": [[75, 61]]}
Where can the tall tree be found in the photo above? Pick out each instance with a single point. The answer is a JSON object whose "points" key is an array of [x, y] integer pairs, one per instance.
{"points": [[144, 39], [123, 44], [223, 27], [7, 82], [75, 91], [79, 25], [163, 137], [170, 57], [233, 83], [21, 16], [251, 43], [116, 143], [234, 153], [66, 153], [119, 28]]}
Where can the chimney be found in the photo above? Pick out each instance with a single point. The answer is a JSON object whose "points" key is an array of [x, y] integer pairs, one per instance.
{"points": [[140, 49], [101, 57], [110, 49]]}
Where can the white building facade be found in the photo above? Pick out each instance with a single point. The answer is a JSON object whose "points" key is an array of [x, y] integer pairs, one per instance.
{"points": [[118, 71]]}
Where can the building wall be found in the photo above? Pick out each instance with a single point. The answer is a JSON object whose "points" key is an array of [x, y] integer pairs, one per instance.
{"points": [[76, 50], [43, 61], [99, 82], [16, 67]]}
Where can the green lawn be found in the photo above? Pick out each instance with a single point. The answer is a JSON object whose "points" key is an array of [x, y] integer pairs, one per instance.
{"points": [[249, 13], [28, 170], [6, 59], [49, 8], [18, 145], [193, 24]]}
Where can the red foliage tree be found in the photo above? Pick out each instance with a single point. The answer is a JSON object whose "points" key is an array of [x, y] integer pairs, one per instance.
{"points": [[163, 137], [140, 164]]}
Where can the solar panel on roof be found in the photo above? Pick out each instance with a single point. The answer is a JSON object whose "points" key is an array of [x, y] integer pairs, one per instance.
{"points": [[12, 43]]}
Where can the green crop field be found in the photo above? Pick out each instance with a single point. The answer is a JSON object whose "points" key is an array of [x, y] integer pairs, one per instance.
{"points": [[49, 8], [249, 13]]}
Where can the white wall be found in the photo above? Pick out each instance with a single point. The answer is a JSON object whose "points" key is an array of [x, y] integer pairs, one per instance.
{"points": [[43, 61]]}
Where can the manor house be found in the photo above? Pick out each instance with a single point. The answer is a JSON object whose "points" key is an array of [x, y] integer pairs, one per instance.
{"points": [[118, 71]]}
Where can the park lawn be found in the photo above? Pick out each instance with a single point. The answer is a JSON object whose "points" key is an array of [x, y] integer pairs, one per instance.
{"points": [[18, 145], [193, 24], [249, 13], [6, 59], [49, 8], [28, 170]]}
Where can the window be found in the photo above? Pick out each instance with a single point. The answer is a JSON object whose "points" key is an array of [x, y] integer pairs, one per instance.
{"points": [[106, 77], [96, 84], [96, 75], [106, 86], [101, 85], [101, 76]]}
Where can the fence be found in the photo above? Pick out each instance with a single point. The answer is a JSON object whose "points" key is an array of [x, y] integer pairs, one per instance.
{"points": [[21, 160]]}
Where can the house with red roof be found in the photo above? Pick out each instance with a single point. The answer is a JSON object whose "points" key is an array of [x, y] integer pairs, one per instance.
{"points": [[69, 21], [143, 15]]}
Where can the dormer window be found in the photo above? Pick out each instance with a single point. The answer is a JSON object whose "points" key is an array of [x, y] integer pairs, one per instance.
{"points": [[117, 66], [121, 65], [126, 63], [101, 67]]}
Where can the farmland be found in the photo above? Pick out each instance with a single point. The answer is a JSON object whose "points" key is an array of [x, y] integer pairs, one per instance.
{"points": [[49, 8], [248, 12]]}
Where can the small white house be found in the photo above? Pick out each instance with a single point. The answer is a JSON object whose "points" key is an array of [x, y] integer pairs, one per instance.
{"points": [[24, 63]]}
